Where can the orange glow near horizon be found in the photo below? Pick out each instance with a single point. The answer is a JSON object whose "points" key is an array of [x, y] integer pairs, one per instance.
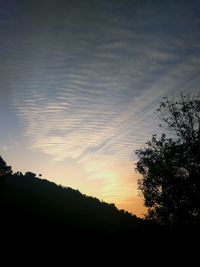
{"points": [[101, 179], [81, 82]]}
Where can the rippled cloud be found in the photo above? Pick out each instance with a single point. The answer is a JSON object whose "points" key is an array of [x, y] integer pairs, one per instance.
{"points": [[86, 79]]}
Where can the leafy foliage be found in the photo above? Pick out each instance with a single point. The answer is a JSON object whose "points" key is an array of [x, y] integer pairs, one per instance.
{"points": [[170, 166], [4, 172]]}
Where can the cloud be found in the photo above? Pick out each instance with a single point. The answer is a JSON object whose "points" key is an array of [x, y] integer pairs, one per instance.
{"points": [[5, 148], [85, 82], [95, 95]]}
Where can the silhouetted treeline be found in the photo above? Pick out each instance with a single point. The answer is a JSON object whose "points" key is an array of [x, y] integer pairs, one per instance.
{"points": [[31, 203], [36, 211]]}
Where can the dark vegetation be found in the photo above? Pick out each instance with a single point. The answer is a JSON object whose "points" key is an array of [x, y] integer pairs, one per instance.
{"points": [[33, 205], [170, 166], [34, 208]]}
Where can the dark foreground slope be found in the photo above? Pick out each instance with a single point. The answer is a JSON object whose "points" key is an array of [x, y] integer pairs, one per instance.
{"points": [[32, 205], [39, 214]]}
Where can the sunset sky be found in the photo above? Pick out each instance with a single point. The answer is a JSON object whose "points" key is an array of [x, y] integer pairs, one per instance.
{"points": [[80, 83]]}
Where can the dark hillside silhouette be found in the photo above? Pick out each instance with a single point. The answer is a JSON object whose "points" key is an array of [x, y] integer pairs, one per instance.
{"points": [[40, 219], [34, 205]]}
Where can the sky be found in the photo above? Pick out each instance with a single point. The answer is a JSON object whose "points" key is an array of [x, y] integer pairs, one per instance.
{"points": [[80, 84]]}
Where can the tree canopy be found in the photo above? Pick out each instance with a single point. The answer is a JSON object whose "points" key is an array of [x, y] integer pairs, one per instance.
{"points": [[170, 164], [4, 171]]}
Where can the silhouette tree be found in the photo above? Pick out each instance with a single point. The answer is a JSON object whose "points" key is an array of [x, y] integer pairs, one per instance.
{"points": [[4, 172], [30, 174], [170, 166]]}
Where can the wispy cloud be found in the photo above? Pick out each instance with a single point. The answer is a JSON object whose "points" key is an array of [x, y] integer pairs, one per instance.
{"points": [[5, 148], [85, 84]]}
